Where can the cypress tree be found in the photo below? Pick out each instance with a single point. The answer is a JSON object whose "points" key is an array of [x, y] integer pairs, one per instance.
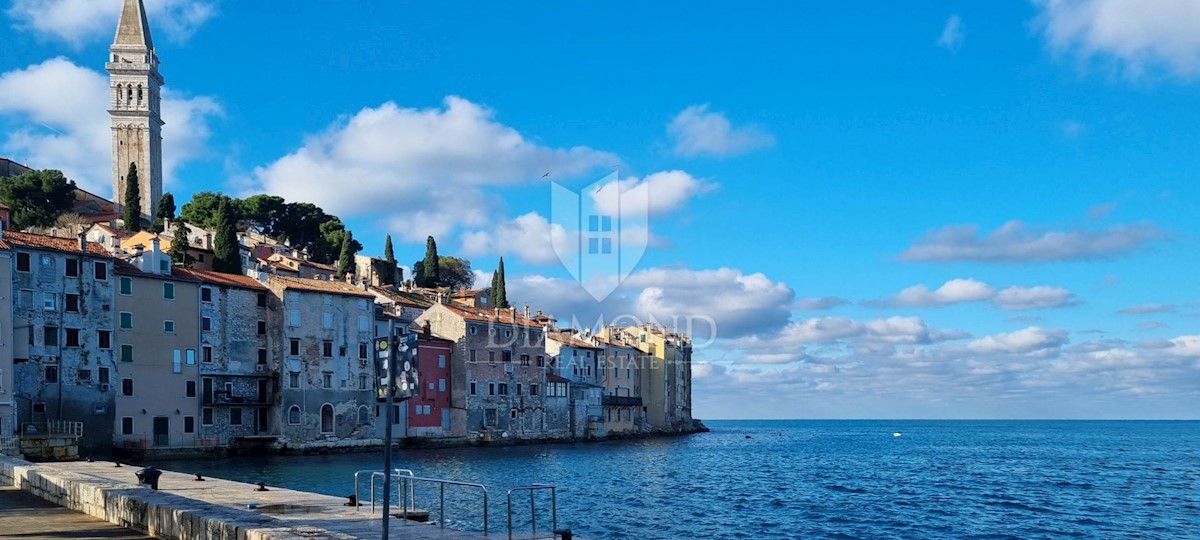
{"points": [[164, 213], [345, 263], [430, 267], [133, 200], [389, 257], [179, 244], [225, 246], [499, 294]]}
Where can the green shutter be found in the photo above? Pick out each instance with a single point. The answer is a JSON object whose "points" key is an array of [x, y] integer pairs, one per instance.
{"points": [[126, 353]]}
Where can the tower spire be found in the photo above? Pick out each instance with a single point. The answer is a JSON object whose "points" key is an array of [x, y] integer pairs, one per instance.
{"points": [[134, 105]]}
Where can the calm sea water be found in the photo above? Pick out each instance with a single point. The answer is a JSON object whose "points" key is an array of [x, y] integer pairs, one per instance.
{"points": [[820, 479]]}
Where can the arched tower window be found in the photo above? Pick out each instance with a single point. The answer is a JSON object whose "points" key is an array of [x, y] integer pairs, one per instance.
{"points": [[139, 94], [129, 92], [294, 415], [326, 418]]}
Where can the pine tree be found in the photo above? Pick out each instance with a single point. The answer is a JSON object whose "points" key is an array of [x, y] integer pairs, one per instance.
{"points": [[133, 200], [225, 247], [499, 294], [164, 213], [345, 263], [179, 244], [389, 257], [430, 267]]}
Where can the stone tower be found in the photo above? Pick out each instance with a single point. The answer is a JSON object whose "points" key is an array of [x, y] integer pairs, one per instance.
{"points": [[134, 92]]}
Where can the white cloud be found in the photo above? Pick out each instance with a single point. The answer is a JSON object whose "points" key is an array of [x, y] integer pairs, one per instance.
{"points": [[1025, 341], [1136, 34], [422, 171], [957, 291], [822, 303], [1143, 309], [665, 192], [57, 118], [530, 237], [80, 21], [952, 34], [698, 131], [1015, 242]]}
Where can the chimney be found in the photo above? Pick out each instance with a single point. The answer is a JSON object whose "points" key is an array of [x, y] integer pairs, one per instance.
{"points": [[154, 245], [82, 243], [526, 311], [496, 313], [208, 240]]}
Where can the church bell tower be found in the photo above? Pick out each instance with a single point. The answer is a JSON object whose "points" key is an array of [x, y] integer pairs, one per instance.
{"points": [[134, 106]]}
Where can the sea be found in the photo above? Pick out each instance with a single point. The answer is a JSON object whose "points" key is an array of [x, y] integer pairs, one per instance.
{"points": [[866, 479]]}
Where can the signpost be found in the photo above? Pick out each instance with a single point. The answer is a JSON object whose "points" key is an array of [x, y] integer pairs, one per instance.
{"points": [[396, 381]]}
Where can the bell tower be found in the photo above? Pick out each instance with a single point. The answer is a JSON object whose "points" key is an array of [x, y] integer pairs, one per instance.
{"points": [[134, 106]]}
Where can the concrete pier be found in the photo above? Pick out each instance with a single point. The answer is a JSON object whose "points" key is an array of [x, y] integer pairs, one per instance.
{"points": [[185, 509]]}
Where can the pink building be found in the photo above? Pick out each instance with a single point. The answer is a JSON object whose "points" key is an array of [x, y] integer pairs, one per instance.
{"points": [[429, 411]]}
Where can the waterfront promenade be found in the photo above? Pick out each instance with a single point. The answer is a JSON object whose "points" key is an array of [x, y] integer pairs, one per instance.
{"points": [[184, 508], [29, 517]]}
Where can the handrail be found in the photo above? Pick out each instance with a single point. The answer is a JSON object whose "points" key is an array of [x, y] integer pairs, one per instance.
{"points": [[533, 508], [374, 474], [53, 428], [442, 483]]}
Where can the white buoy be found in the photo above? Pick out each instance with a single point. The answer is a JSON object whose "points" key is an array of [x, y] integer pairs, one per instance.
{"points": [[897, 434]]}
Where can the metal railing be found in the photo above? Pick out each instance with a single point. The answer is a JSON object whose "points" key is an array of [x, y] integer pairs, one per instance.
{"points": [[442, 483], [10, 445], [379, 474], [533, 508], [55, 428]]}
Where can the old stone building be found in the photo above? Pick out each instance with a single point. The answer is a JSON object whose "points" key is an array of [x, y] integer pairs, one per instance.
{"points": [[666, 374], [62, 339], [157, 339], [239, 361], [327, 388], [135, 104], [498, 374], [8, 407], [620, 374], [575, 358]]}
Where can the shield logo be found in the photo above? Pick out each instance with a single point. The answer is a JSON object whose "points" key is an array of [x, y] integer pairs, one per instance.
{"points": [[605, 231]]}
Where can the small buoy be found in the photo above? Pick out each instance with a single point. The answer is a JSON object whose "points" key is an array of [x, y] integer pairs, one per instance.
{"points": [[262, 487], [747, 436], [897, 434], [251, 506]]}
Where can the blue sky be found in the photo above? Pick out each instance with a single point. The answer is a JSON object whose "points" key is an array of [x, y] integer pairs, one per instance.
{"points": [[936, 210]]}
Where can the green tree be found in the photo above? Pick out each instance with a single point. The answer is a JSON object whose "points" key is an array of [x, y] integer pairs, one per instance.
{"points": [[36, 198], [202, 209], [133, 200], [345, 264], [226, 258], [388, 275], [179, 244], [455, 272], [426, 272], [499, 294], [265, 212], [164, 213]]}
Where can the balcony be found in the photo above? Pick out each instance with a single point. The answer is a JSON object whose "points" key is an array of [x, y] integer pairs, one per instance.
{"points": [[622, 401]]}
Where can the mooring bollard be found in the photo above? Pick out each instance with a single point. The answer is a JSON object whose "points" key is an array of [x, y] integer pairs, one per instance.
{"points": [[149, 476]]}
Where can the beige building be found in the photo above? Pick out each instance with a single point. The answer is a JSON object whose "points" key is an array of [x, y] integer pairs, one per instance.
{"points": [[157, 340], [8, 406], [666, 374], [621, 374]]}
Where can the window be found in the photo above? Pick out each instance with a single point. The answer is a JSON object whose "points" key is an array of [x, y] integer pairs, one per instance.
{"points": [[50, 336], [362, 350], [442, 361], [22, 262], [205, 294], [262, 299], [262, 328], [126, 320], [362, 382], [189, 389], [72, 303], [104, 375], [49, 301], [189, 424], [442, 385], [207, 351], [169, 327], [524, 359], [206, 324], [169, 291], [512, 413], [206, 416], [327, 349], [293, 317], [364, 324], [472, 390], [541, 361], [472, 355], [176, 361], [326, 320], [518, 389], [72, 337], [164, 266], [51, 373], [126, 353], [294, 415], [127, 425], [294, 347], [491, 357], [235, 416], [199, 257], [364, 416], [294, 380], [72, 268], [262, 356], [327, 380], [47, 262], [126, 387], [473, 330], [126, 286], [533, 390], [104, 337], [25, 299], [489, 417], [491, 389], [502, 389], [326, 418]]}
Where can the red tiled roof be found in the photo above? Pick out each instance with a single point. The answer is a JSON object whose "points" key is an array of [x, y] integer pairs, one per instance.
{"points": [[571, 339], [227, 280], [505, 316], [556, 378], [54, 243], [405, 298], [123, 266], [4, 245], [320, 285]]}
